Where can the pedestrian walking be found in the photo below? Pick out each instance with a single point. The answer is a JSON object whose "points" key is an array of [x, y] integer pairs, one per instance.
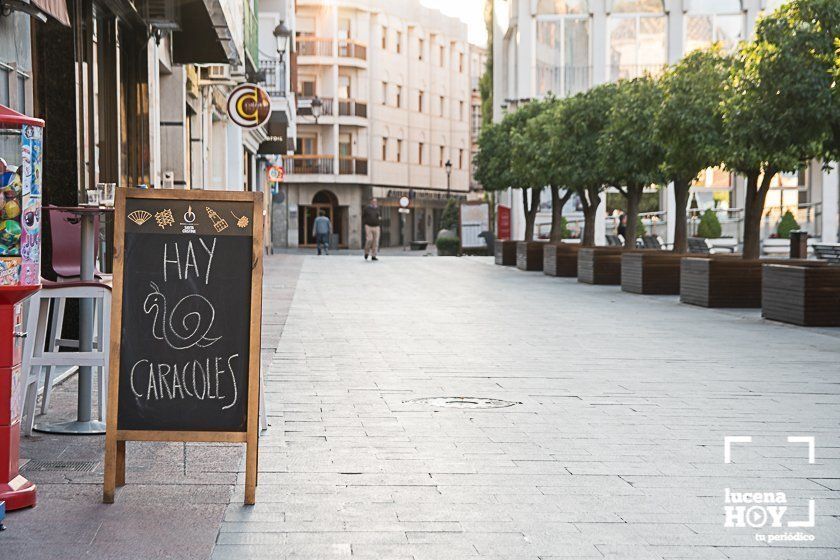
{"points": [[322, 229], [372, 218]]}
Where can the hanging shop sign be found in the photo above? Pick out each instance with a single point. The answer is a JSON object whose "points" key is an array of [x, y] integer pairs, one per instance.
{"points": [[184, 364], [276, 174], [249, 105]]}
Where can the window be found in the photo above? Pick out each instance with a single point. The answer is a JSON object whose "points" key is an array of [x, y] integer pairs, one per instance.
{"points": [[637, 6], [399, 42], [344, 28], [384, 38], [460, 110], [420, 153], [638, 42], [5, 80], [384, 93], [563, 55], [345, 145], [442, 61], [399, 96], [562, 7], [307, 86], [307, 144], [384, 148], [442, 152], [714, 21], [461, 63], [442, 104], [420, 101], [460, 158], [399, 150], [344, 87], [713, 188], [421, 44]]}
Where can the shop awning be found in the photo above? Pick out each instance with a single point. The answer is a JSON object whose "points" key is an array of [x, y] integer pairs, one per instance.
{"points": [[57, 9], [276, 128], [204, 37]]}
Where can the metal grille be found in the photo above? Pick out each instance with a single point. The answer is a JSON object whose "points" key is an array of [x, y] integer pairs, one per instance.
{"points": [[76, 466]]}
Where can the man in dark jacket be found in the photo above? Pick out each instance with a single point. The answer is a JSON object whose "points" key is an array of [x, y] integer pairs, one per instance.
{"points": [[371, 218]]}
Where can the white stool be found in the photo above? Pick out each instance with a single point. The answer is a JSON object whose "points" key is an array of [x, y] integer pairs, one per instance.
{"points": [[35, 357]]}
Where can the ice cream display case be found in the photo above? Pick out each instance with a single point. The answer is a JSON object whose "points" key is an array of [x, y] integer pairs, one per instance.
{"points": [[20, 276]]}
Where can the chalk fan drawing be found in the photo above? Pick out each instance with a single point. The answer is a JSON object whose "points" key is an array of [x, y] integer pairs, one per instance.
{"points": [[181, 329], [140, 217], [164, 218], [219, 223], [241, 221]]}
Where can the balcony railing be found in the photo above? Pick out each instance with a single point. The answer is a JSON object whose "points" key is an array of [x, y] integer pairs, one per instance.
{"points": [[308, 165], [347, 48], [314, 46], [304, 106], [352, 166], [352, 108], [274, 77], [563, 81], [630, 71]]}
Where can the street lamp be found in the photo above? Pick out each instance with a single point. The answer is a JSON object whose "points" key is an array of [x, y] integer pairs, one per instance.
{"points": [[282, 34], [448, 166], [316, 105]]}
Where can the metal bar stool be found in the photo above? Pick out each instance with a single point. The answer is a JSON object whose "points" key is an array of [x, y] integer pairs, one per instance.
{"points": [[35, 357]]}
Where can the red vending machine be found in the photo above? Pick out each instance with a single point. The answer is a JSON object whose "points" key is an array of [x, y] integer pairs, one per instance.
{"points": [[20, 277]]}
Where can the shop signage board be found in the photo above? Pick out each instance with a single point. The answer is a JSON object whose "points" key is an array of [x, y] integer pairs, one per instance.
{"points": [[249, 106], [475, 218], [185, 327]]}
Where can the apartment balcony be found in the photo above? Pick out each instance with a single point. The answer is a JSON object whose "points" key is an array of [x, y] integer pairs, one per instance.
{"points": [[348, 165], [352, 108], [319, 51], [310, 164], [304, 107], [273, 79]]}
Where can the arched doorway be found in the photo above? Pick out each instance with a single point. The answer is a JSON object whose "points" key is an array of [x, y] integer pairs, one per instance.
{"points": [[327, 202]]}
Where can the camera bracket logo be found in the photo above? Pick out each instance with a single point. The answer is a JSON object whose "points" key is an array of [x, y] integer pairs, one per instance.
{"points": [[249, 106]]}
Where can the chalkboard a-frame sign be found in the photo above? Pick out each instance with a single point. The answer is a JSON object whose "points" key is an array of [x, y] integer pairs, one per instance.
{"points": [[185, 326]]}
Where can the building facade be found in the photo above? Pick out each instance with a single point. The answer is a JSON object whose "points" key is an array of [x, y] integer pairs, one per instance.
{"points": [[563, 47], [478, 65], [382, 101]]}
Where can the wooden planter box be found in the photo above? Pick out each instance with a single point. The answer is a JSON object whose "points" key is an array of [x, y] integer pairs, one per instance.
{"points": [[560, 259], [651, 272], [803, 295], [600, 265], [529, 255], [724, 281], [506, 252]]}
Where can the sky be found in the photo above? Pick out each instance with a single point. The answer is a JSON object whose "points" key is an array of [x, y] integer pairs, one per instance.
{"points": [[469, 11]]}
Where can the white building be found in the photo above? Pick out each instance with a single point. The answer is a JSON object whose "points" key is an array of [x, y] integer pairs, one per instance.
{"points": [[383, 101], [567, 46]]}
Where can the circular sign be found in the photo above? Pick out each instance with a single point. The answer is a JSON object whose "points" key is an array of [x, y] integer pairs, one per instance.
{"points": [[276, 173], [249, 105], [404, 201]]}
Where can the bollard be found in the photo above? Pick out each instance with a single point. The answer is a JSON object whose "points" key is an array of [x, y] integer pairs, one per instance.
{"points": [[799, 244]]}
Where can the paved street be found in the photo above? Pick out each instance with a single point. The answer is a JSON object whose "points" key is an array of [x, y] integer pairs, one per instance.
{"points": [[614, 448]]}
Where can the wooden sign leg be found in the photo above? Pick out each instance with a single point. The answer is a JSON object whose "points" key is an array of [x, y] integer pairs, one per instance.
{"points": [[251, 470], [120, 466], [109, 486]]}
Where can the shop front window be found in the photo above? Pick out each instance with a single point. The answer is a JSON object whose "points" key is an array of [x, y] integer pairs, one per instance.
{"points": [[563, 55], [713, 189], [638, 35]]}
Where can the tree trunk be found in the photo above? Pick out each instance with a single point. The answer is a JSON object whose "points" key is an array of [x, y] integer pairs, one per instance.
{"points": [[753, 210], [591, 201], [557, 204], [530, 211], [682, 189], [634, 198], [491, 204]]}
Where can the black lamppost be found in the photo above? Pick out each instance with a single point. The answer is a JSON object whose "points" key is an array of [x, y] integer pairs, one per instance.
{"points": [[448, 166], [316, 106], [282, 34]]}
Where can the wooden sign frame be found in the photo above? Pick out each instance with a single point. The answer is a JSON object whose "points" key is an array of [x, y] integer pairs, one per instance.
{"points": [[115, 438]]}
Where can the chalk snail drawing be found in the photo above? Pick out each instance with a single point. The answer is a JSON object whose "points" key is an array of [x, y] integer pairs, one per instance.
{"points": [[181, 329]]}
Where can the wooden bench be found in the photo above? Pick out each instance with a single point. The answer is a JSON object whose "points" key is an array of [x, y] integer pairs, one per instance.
{"points": [[806, 295], [560, 259], [600, 265], [505, 250], [829, 252], [419, 245], [702, 246], [650, 271], [529, 255]]}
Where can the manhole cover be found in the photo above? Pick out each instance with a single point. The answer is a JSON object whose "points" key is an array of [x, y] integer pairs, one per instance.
{"points": [[77, 466], [463, 402]]}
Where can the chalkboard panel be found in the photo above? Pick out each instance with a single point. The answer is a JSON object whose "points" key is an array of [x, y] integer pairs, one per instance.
{"points": [[186, 315]]}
